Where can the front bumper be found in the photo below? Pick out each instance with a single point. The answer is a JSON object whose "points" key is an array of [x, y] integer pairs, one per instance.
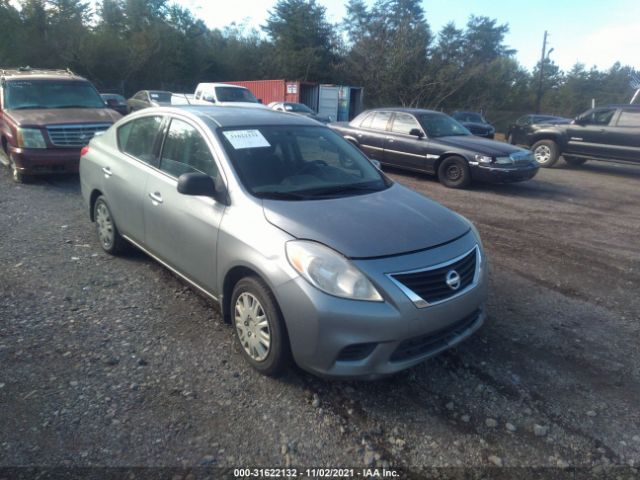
{"points": [[504, 175], [46, 160], [336, 337]]}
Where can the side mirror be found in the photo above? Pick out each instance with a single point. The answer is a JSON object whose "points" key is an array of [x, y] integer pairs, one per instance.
{"points": [[200, 184], [416, 132], [209, 98]]}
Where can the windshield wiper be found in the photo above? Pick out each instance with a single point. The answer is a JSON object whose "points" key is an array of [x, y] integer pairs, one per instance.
{"points": [[281, 195], [28, 107], [336, 189], [75, 106]]}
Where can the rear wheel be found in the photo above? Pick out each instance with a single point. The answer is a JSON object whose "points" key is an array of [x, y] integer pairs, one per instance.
{"points": [[575, 161], [546, 153], [454, 172], [259, 326], [110, 239]]}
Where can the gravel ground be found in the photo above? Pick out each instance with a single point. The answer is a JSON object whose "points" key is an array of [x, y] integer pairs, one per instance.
{"points": [[116, 362]]}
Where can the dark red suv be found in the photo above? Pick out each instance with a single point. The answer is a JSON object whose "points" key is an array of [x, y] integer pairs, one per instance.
{"points": [[46, 117]]}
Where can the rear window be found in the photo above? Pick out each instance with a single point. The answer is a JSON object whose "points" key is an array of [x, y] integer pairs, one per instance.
{"points": [[138, 138]]}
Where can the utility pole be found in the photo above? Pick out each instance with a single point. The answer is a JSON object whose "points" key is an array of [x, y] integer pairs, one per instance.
{"points": [[542, 58]]}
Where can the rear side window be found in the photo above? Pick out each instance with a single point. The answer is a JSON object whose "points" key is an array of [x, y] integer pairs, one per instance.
{"points": [[380, 120], [629, 118], [186, 151], [138, 138]]}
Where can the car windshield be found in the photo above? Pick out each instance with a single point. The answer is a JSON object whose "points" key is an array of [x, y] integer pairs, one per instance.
{"points": [[297, 107], [299, 163], [469, 117], [235, 94], [160, 97], [43, 94], [441, 125]]}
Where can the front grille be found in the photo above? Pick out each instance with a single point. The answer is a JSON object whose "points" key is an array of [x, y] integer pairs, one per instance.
{"points": [[74, 135], [431, 284], [432, 342]]}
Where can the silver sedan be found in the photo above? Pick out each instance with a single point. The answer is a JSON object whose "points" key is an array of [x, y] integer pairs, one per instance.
{"points": [[312, 253]]}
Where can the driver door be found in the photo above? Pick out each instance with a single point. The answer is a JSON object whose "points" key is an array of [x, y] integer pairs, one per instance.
{"points": [[589, 135]]}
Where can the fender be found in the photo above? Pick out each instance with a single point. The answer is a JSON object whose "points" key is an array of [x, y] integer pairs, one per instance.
{"points": [[549, 133]]}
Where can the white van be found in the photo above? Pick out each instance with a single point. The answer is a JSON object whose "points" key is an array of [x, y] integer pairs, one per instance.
{"points": [[225, 94]]}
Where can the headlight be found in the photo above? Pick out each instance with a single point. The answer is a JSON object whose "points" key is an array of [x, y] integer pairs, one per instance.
{"points": [[329, 271], [30, 138], [483, 159], [504, 160]]}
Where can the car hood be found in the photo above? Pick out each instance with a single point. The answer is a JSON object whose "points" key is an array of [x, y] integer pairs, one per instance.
{"points": [[390, 222], [61, 116], [475, 144]]}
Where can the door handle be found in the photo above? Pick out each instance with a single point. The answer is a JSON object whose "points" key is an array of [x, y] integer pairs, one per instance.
{"points": [[107, 172], [155, 197]]}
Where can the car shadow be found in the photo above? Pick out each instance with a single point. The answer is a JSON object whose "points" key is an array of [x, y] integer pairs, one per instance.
{"points": [[609, 168]]}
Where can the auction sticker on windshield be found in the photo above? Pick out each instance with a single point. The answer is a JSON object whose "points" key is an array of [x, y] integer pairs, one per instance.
{"points": [[240, 139]]}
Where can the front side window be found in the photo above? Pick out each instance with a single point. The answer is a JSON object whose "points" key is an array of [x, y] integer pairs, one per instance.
{"points": [[629, 118], [524, 120], [440, 125], [46, 94], [404, 123], [299, 163], [186, 151], [138, 138], [601, 116]]}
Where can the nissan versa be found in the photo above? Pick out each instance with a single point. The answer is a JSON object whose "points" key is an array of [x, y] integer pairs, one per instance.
{"points": [[310, 250]]}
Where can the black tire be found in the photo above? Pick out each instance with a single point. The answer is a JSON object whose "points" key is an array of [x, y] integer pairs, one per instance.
{"points": [[108, 235], [454, 172], [575, 161], [546, 153], [277, 356], [16, 175]]}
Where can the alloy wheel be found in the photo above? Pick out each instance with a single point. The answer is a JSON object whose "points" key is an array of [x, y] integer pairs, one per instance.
{"points": [[542, 154]]}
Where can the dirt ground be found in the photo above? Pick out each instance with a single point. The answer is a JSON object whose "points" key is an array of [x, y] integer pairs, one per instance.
{"points": [[111, 361]]}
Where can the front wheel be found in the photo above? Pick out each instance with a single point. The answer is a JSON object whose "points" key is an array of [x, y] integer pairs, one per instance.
{"points": [[575, 161], [16, 174], [454, 172], [259, 326], [546, 153]]}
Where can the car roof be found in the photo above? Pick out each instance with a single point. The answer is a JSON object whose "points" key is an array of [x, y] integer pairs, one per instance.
{"points": [[36, 74], [414, 111], [232, 116]]}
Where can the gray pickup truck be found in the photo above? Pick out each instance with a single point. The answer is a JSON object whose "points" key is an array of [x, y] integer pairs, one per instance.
{"points": [[609, 133]]}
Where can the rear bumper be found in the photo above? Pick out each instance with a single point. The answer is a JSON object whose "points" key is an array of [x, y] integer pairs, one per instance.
{"points": [[46, 160], [504, 175]]}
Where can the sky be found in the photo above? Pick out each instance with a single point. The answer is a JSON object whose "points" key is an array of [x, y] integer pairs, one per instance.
{"points": [[594, 32]]}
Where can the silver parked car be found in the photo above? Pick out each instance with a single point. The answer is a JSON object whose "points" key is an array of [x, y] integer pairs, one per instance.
{"points": [[310, 250]]}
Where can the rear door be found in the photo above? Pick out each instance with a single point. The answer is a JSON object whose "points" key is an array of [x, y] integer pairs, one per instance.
{"points": [[373, 133], [126, 172], [401, 148], [182, 230]]}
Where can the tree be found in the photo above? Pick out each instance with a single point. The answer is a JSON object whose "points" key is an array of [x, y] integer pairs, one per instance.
{"points": [[302, 40]]}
